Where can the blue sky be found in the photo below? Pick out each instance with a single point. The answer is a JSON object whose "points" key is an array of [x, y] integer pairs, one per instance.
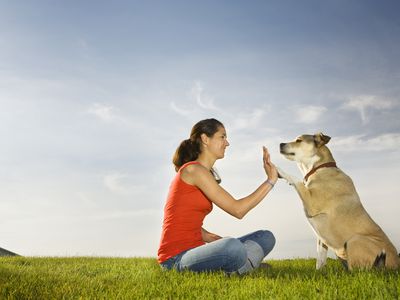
{"points": [[95, 97]]}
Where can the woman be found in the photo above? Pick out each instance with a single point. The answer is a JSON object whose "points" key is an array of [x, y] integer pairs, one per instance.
{"points": [[185, 245]]}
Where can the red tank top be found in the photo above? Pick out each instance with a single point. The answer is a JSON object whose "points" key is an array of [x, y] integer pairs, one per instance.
{"points": [[184, 212]]}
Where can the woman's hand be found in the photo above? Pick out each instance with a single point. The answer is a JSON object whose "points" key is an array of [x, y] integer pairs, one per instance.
{"points": [[209, 237], [269, 167]]}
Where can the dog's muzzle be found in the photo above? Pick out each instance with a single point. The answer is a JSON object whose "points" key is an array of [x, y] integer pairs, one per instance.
{"points": [[282, 147]]}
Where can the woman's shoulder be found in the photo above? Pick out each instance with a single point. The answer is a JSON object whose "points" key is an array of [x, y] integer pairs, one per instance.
{"points": [[192, 167], [191, 171], [189, 164]]}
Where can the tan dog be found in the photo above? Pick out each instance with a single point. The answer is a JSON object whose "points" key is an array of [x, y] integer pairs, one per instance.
{"points": [[333, 208]]}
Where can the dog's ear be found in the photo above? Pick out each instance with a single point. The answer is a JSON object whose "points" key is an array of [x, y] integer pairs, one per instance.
{"points": [[320, 139]]}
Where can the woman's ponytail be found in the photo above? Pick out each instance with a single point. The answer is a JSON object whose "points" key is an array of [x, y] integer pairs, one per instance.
{"points": [[187, 151]]}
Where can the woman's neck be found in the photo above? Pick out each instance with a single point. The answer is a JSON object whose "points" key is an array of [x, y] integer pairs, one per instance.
{"points": [[205, 161]]}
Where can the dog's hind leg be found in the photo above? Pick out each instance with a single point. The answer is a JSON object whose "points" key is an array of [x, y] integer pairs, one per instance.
{"points": [[344, 263], [380, 260], [363, 253], [322, 251]]}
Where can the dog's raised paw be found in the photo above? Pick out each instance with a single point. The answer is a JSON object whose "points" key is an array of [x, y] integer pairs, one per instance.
{"points": [[283, 175]]}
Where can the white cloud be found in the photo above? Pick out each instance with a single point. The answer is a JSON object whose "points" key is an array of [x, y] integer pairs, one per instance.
{"points": [[112, 115], [121, 184], [104, 112], [389, 141], [202, 100], [250, 120], [179, 110], [308, 114], [363, 103]]}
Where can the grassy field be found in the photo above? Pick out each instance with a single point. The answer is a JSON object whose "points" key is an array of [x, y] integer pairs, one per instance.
{"points": [[141, 278]]}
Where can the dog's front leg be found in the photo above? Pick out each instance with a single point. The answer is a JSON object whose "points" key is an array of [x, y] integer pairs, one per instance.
{"points": [[322, 251], [301, 189], [311, 209], [289, 178]]}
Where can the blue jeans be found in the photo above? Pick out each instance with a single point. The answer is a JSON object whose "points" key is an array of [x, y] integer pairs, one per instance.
{"points": [[226, 254]]}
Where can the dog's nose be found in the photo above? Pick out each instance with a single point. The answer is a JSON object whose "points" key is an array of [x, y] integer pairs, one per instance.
{"points": [[282, 145]]}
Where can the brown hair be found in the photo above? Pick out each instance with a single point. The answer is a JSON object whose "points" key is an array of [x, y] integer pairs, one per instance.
{"points": [[190, 149]]}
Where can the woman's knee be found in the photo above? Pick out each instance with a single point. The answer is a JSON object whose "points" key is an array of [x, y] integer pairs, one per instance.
{"points": [[266, 240], [234, 247], [235, 252]]}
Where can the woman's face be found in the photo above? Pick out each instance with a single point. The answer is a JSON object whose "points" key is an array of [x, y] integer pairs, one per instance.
{"points": [[218, 142]]}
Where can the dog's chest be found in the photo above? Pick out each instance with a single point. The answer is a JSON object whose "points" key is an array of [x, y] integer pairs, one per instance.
{"points": [[318, 223]]}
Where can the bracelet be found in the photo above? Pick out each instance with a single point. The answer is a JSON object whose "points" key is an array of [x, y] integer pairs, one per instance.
{"points": [[270, 182]]}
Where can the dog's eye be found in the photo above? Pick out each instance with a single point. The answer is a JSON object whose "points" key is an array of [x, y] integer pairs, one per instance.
{"points": [[298, 141]]}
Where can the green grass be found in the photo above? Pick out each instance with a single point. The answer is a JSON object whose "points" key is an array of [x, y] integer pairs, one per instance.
{"points": [[142, 278]]}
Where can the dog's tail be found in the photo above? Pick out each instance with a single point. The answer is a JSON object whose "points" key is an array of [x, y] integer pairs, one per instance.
{"points": [[380, 260]]}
